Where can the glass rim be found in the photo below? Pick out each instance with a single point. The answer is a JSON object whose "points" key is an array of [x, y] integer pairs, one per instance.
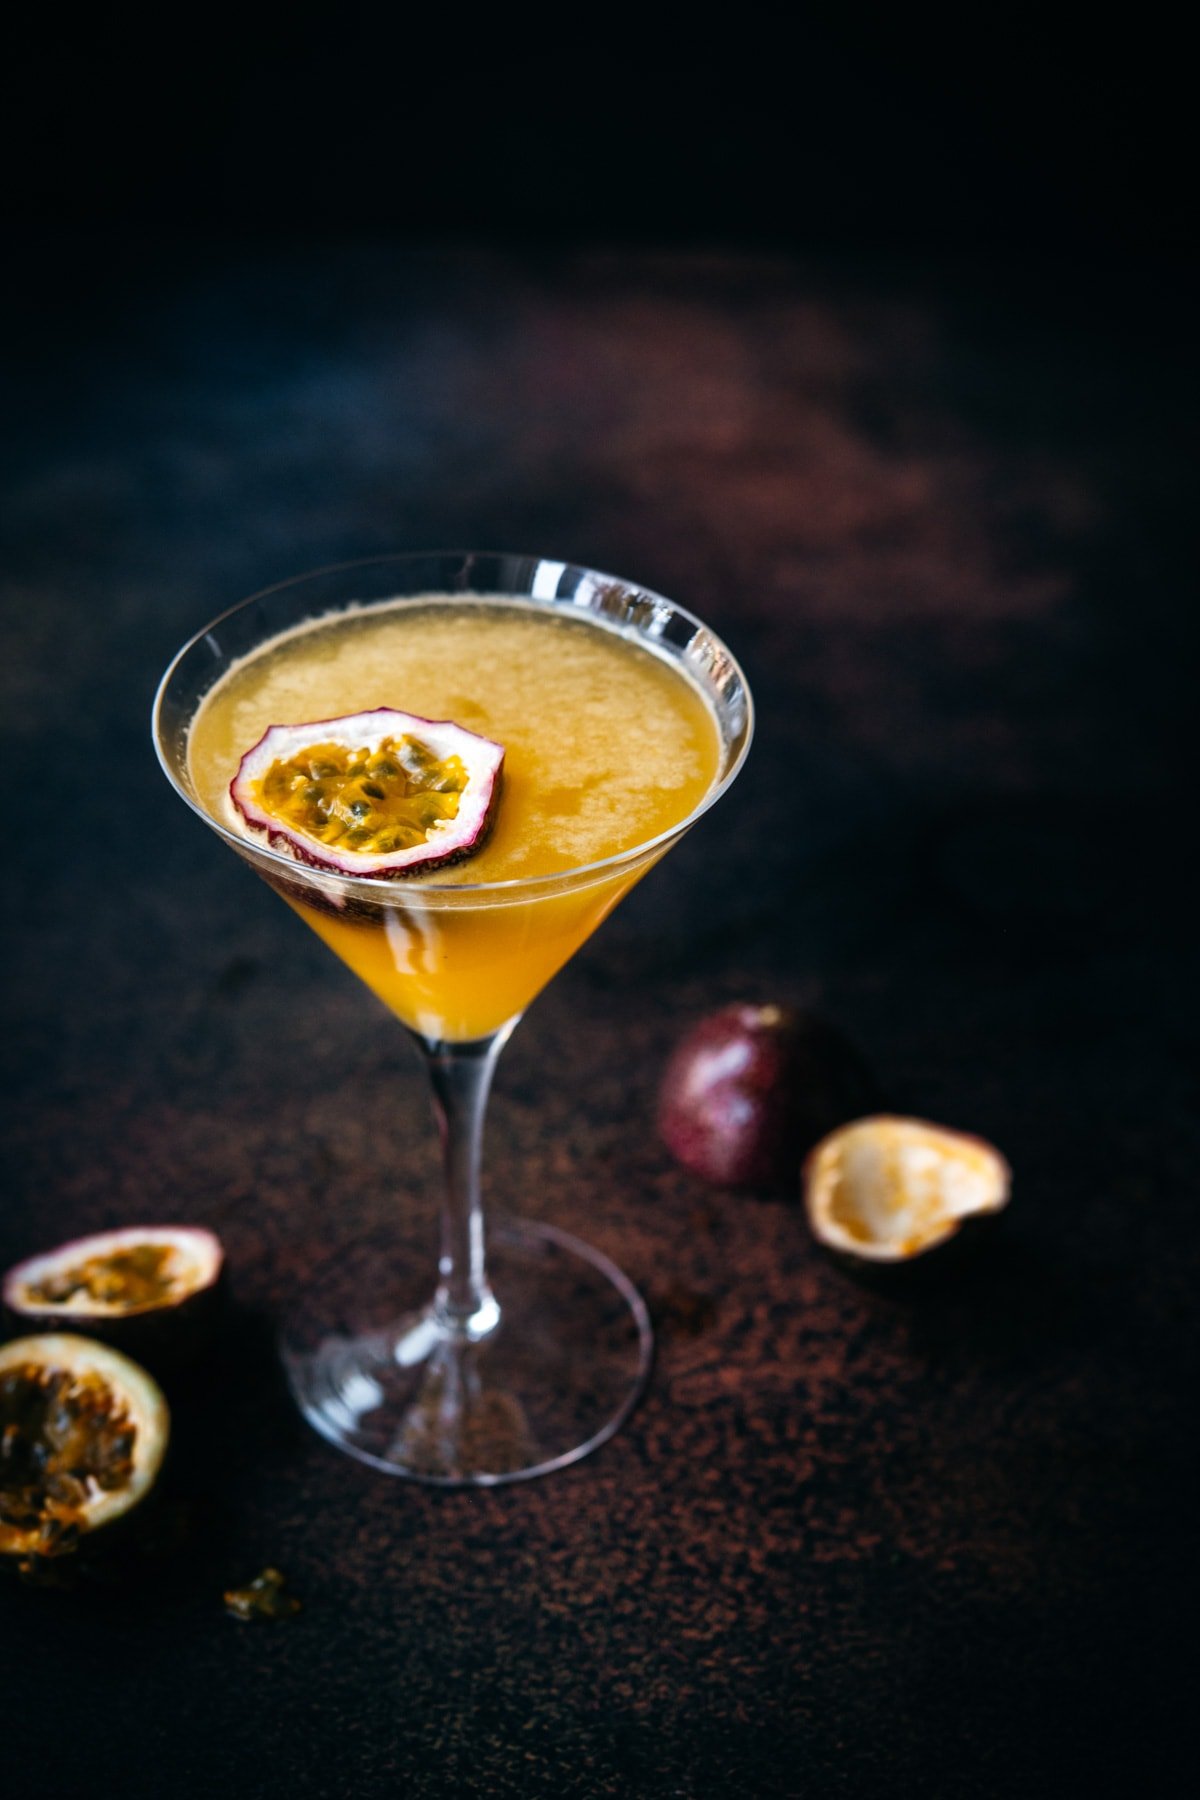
{"points": [[371, 887]]}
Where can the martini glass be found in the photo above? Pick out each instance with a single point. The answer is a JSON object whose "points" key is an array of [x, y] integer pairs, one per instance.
{"points": [[524, 1348]]}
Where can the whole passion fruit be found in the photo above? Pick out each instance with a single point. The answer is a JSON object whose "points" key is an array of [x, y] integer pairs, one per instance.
{"points": [[750, 1088], [381, 793], [83, 1432], [886, 1190], [150, 1289]]}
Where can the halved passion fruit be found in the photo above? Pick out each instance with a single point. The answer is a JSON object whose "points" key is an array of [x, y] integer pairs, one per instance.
{"points": [[148, 1288], [380, 793], [83, 1432], [887, 1189]]}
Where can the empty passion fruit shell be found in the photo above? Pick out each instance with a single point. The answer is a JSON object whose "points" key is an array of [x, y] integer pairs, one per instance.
{"points": [[885, 1190], [83, 1432], [381, 793], [149, 1289]]}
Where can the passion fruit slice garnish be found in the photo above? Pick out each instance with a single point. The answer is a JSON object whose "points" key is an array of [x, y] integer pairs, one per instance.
{"points": [[887, 1189], [83, 1432], [381, 793]]}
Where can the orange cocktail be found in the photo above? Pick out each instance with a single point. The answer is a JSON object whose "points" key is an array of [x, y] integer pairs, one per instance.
{"points": [[622, 718], [607, 746]]}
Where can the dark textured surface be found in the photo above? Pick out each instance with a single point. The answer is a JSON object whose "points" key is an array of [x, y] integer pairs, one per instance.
{"points": [[853, 1542]]}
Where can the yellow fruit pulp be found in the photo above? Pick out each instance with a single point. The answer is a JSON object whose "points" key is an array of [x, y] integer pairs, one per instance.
{"points": [[363, 801], [606, 747]]}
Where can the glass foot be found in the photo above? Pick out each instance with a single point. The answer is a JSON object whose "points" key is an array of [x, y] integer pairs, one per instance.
{"points": [[557, 1376]]}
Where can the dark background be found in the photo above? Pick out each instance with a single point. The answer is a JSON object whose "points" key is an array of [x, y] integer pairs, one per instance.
{"points": [[874, 344], [853, 129]]}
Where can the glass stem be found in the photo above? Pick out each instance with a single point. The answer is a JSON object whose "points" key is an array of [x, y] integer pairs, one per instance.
{"points": [[460, 1076]]}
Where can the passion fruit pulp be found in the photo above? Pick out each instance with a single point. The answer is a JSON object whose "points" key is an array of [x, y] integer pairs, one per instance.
{"points": [[83, 1432], [886, 1190], [379, 794], [266, 1597], [150, 1289]]}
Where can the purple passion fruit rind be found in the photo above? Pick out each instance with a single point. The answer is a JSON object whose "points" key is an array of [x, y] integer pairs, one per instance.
{"points": [[154, 1291], [429, 753], [885, 1191], [85, 1431], [749, 1089]]}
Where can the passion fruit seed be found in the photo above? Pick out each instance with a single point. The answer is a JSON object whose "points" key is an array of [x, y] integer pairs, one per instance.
{"points": [[373, 802], [380, 793], [63, 1434], [885, 1190], [139, 1276], [263, 1598]]}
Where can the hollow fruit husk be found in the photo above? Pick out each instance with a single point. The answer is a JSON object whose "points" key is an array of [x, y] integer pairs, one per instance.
{"points": [[885, 1191], [83, 1433]]}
